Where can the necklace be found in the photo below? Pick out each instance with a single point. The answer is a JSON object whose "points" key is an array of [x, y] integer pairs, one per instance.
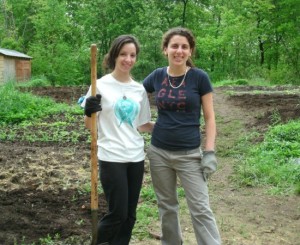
{"points": [[180, 82], [122, 85], [123, 92]]}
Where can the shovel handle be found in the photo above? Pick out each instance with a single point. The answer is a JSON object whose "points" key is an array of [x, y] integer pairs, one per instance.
{"points": [[94, 158]]}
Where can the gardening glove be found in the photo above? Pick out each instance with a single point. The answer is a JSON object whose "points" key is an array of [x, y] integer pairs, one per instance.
{"points": [[208, 164], [92, 105]]}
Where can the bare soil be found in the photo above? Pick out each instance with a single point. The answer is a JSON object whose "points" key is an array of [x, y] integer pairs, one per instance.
{"points": [[39, 193]]}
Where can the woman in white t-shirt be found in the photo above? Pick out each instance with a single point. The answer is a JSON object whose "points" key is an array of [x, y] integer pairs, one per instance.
{"points": [[123, 111]]}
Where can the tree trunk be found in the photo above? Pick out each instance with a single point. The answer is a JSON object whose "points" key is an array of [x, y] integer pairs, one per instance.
{"points": [[261, 50], [185, 2]]}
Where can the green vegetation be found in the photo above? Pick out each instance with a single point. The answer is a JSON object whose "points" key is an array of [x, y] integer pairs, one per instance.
{"points": [[273, 163], [147, 211], [233, 82], [43, 241], [17, 107], [234, 39], [35, 82], [35, 119], [49, 240]]}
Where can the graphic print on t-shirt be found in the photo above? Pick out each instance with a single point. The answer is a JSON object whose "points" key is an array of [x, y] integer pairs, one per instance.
{"points": [[126, 111], [171, 99]]}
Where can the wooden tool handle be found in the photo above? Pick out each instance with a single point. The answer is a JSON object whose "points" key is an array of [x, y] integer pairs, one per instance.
{"points": [[94, 158]]}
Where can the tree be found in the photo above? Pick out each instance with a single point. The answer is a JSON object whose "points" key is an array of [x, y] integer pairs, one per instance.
{"points": [[8, 28], [53, 55], [235, 38]]}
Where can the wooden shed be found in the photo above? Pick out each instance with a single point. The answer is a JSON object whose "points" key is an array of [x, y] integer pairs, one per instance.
{"points": [[14, 66]]}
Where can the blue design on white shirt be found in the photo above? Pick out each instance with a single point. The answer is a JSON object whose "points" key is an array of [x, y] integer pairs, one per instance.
{"points": [[126, 111]]}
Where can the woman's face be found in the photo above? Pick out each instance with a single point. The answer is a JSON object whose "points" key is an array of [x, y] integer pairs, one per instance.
{"points": [[126, 58], [178, 50]]}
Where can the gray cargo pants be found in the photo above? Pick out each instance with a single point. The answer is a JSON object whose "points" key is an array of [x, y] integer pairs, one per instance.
{"points": [[165, 166]]}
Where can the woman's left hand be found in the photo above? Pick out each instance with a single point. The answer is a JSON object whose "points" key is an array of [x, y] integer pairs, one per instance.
{"points": [[208, 164]]}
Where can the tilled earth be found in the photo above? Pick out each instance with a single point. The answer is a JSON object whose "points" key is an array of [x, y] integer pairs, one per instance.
{"points": [[39, 194]]}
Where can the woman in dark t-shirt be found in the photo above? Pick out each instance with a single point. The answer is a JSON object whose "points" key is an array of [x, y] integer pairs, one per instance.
{"points": [[181, 92]]}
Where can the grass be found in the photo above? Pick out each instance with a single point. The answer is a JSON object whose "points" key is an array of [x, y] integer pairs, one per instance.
{"points": [[147, 211], [273, 163], [241, 81], [229, 136], [35, 82], [35, 119], [289, 89], [17, 107]]}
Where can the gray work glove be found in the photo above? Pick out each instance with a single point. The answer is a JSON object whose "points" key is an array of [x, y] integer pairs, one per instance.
{"points": [[208, 164]]}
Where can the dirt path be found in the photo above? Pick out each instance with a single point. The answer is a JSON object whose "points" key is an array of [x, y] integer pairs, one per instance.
{"points": [[248, 216], [38, 182]]}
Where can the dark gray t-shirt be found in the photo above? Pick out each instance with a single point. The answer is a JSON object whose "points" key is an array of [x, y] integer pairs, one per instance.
{"points": [[178, 122]]}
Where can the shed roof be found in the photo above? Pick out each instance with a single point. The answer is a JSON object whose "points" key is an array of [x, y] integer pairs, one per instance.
{"points": [[13, 53]]}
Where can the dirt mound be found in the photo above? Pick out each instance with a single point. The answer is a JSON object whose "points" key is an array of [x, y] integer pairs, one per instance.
{"points": [[33, 214]]}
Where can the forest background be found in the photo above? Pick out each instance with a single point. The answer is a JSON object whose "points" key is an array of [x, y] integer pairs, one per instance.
{"points": [[249, 39]]}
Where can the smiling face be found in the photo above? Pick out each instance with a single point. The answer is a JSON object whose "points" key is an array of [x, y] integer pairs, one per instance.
{"points": [[178, 50], [126, 58]]}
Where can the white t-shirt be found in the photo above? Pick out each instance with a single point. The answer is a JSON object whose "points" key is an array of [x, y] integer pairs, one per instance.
{"points": [[125, 106]]}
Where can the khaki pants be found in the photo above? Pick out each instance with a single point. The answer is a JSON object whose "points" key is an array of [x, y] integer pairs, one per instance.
{"points": [[165, 166]]}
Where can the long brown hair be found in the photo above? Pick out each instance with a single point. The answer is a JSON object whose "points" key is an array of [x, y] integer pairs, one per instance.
{"points": [[181, 31]]}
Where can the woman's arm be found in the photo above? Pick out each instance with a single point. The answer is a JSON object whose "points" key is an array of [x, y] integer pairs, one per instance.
{"points": [[147, 128], [210, 123]]}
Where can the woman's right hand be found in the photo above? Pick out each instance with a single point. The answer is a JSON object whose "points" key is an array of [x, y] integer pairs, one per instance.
{"points": [[92, 105]]}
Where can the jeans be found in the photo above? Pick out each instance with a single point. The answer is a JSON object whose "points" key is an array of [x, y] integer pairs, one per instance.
{"points": [[121, 183], [165, 166]]}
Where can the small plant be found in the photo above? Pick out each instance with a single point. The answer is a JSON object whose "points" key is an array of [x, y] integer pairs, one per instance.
{"points": [[86, 188], [180, 192], [275, 117], [49, 240], [79, 222]]}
